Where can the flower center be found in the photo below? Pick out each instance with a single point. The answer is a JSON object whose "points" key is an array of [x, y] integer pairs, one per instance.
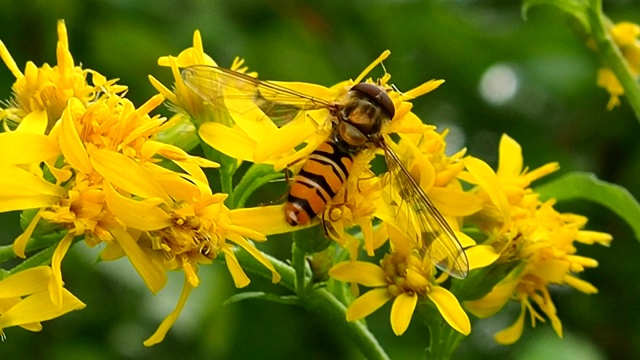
{"points": [[405, 274]]}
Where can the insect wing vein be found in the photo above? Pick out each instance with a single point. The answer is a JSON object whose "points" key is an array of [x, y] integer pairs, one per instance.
{"points": [[433, 236], [216, 85]]}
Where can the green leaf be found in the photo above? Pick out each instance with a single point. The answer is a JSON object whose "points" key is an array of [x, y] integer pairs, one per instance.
{"points": [[183, 135], [586, 186], [576, 8], [41, 258], [34, 244], [257, 176], [481, 281], [287, 300]]}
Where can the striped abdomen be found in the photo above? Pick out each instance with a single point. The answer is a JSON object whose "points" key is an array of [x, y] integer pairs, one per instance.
{"points": [[319, 180]]}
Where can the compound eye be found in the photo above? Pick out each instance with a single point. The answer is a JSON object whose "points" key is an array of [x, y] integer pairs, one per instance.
{"points": [[351, 135], [377, 94]]}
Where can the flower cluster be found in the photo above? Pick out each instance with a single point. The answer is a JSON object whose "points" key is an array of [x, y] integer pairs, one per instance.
{"points": [[625, 36], [93, 171], [530, 233]]}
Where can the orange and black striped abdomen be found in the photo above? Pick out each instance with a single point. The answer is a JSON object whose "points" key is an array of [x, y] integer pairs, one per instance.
{"points": [[319, 180]]}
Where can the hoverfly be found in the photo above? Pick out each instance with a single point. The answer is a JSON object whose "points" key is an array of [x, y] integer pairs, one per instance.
{"points": [[356, 123]]}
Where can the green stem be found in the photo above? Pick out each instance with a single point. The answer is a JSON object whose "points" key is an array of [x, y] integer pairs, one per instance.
{"points": [[319, 301], [226, 184], [34, 244], [444, 341], [228, 167], [298, 261], [612, 55]]}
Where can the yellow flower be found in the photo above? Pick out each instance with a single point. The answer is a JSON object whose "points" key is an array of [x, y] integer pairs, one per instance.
{"points": [[405, 278], [522, 228], [50, 88], [194, 229], [625, 35], [608, 80], [92, 170], [25, 300]]}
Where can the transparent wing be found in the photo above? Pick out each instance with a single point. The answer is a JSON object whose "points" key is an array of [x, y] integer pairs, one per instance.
{"points": [[217, 86], [433, 236]]}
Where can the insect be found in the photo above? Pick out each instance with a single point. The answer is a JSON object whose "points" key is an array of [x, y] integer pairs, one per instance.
{"points": [[356, 123]]}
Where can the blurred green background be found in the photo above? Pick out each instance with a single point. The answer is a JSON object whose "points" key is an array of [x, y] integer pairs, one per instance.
{"points": [[534, 79]]}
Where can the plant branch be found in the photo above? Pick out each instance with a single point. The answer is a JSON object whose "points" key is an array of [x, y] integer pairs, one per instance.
{"points": [[319, 301]]}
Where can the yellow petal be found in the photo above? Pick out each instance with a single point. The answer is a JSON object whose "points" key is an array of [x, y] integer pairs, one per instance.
{"points": [[591, 237], [126, 174], [625, 33], [464, 239], [581, 262], [20, 190], [245, 232], [168, 322], [550, 270], [163, 90], [56, 283], [231, 142], [20, 243], [368, 303], [510, 162], [488, 180], [491, 303], [425, 88], [25, 282], [8, 60], [385, 54], [267, 220], [455, 202], [149, 105], [40, 148], [577, 284], [283, 140], [72, 146], [543, 170], [402, 311], [481, 256], [450, 309], [38, 307], [152, 274], [142, 215], [178, 187], [240, 278], [65, 61], [35, 122], [275, 277], [112, 251], [249, 118], [406, 122], [195, 170], [511, 334], [360, 272]]}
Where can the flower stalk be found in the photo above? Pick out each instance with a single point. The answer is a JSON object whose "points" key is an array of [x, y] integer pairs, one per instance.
{"points": [[321, 302]]}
